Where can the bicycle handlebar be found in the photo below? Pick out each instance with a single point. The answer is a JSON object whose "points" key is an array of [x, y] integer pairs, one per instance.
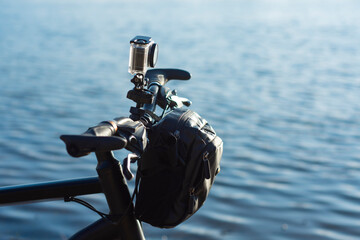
{"points": [[108, 136], [159, 77], [99, 138], [121, 132]]}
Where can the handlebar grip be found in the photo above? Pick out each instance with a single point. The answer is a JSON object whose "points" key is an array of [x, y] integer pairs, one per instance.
{"points": [[160, 76], [105, 128], [96, 139], [163, 75]]}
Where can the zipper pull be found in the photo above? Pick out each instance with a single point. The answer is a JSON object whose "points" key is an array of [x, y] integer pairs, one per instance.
{"points": [[177, 134], [193, 204], [174, 151], [206, 165]]}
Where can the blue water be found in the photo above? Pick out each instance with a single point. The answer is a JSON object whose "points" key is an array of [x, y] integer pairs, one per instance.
{"points": [[278, 80]]}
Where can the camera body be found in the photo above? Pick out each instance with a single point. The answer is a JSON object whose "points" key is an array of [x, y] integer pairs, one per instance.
{"points": [[143, 54]]}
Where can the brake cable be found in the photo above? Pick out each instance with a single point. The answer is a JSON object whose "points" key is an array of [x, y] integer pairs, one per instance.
{"points": [[86, 204], [109, 217]]}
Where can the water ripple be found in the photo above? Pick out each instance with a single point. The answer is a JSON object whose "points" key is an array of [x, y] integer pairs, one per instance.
{"points": [[279, 82]]}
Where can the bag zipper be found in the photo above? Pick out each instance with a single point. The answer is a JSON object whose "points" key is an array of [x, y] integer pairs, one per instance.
{"points": [[205, 155]]}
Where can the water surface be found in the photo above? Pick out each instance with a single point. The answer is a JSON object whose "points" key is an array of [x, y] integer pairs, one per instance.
{"points": [[278, 80]]}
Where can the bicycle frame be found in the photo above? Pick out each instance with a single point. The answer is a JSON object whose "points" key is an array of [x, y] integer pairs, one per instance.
{"points": [[110, 181]]}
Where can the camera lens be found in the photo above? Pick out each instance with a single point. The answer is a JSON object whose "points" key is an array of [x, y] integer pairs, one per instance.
{"points": [[153, 55]]}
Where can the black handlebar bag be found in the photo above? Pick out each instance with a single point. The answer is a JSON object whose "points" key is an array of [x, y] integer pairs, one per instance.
{"points": [[177, 169]]}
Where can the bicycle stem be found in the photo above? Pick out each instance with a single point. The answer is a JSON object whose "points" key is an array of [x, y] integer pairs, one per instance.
{"points": [[118, 197]]}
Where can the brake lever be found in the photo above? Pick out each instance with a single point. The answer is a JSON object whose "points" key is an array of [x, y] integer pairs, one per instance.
{"points": [[131, 158], [134, 132], [178, 102]]}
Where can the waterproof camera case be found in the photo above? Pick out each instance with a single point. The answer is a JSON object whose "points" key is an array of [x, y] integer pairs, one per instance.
{"points": [[143, 54]]}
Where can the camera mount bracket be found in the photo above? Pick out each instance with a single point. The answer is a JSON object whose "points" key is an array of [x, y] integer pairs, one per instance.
{"points": [[140, 95]]}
